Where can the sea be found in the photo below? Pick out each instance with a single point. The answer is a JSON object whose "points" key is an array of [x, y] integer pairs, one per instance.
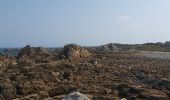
{"points": [[10, 51]]}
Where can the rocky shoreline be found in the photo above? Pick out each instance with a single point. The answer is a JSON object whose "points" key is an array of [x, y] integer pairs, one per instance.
{"points": [[91, 73]]}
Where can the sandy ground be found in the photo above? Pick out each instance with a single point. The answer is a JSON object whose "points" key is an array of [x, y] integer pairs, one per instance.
{"points": [[154, 54]]}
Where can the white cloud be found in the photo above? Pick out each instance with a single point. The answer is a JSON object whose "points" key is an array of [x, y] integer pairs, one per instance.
{"points": [[123, 18]]}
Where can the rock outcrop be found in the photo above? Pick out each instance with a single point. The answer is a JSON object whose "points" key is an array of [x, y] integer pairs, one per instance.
{"points": [[109, 47], [29, 51], [34, 54], [73, 51]]}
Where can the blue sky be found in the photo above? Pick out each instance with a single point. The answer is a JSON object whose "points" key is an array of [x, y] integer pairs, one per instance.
{"points": [[53, 23]]}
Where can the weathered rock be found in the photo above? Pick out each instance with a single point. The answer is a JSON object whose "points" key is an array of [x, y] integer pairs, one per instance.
{"points": [[123, 99], [75, 96], [66, 75], [109, 47], [73, 51], [153, 95], [94, 62], [26, 89], [43, 94], [60, 90], [34, 53], [105, 91], [31, 97], [26, 51], [126, 90], [8, 91], [1, 97], [164, 84]]}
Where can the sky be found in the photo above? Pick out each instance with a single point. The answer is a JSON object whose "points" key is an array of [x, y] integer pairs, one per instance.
{"points": [[54, 23]]}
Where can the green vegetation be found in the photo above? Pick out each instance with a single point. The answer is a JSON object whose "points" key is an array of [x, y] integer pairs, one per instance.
{"points": [[159, 46]]}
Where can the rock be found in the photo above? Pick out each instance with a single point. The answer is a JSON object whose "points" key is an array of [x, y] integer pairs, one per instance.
{"points": [[25, 62], [123, 99], [94, 62], [126, 90], [43, 94], [31, 97], [66, 75], [1, 97], [165, 84], [6, 60], [38, 54], [8, 91], [4, 79], [73, 51], [105, 91], [75, 96], [26, 89], [103, 98], [152, 94], [60, 90], [140, 75], [26, 51], [39, 74], [109, 47]]}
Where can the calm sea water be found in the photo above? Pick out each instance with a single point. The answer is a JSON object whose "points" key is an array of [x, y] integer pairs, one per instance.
{"points": [[14, 51]]}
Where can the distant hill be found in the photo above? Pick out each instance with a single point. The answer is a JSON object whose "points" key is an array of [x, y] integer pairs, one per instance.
{"points": [[159, 46]]}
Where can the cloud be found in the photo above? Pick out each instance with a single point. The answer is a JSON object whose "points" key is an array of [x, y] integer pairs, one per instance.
{"points": [[123, 18]]}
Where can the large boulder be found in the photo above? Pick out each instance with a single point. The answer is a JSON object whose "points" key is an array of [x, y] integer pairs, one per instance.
{"points": [[109, 47], [128, 91], [163, 84], [61, 90], [38, 54], [75, 51], [26, 51], [29, 51], [75, 96]]}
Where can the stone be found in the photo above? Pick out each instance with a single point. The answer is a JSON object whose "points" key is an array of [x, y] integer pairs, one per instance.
{"points": [[8, 91], [43, 94], [125, 90], [75, 96], [153, 94], [75, 51], [164, 84], [26, 89], [60, 90], [36, 54]]}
